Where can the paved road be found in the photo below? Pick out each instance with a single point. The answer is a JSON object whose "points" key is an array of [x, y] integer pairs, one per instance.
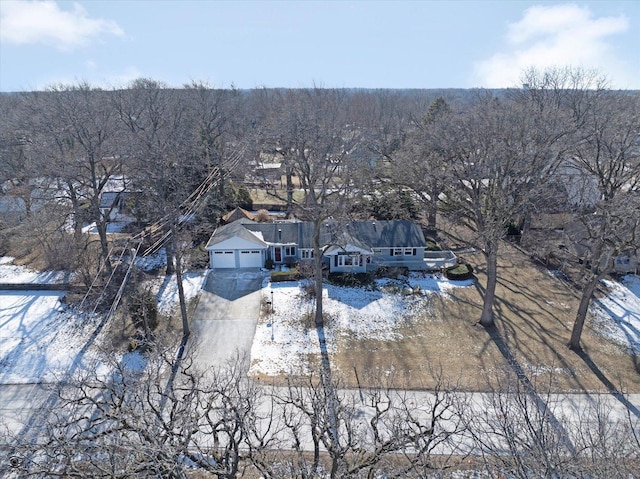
{"points": [[224, 322]]}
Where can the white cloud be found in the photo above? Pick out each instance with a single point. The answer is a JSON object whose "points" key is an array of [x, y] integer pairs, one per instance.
{"points": [[35, 21], [552, 36]]}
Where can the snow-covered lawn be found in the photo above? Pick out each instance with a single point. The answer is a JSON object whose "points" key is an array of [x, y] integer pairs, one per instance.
{"points": [[39, 339], [11, 274], [618, 314], [42, 340], [166, 290], [283, 339]]}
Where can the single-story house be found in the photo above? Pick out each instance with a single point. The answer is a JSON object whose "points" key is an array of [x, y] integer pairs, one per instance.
{"points": [[348, 246]]}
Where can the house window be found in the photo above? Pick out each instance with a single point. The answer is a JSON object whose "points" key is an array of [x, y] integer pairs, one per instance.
{"points": [[349, 260], [306, 253], [290, 251], [396, 252], [377, 250], [409, 251]]}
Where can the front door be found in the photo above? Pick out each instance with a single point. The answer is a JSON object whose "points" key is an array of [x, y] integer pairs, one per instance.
{"points": [[277, 253]]}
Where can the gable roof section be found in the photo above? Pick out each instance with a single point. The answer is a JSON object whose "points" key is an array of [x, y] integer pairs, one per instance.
{"points": [[361, 234], [236, 214], [234, 230], [108, 199], [285, 233], [386, 234]]}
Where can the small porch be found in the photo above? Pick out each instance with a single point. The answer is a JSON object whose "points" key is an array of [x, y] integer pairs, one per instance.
{"points": [[349, 259]]}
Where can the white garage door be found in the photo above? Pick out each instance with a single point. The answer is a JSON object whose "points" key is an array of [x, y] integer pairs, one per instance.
{"points": [[224, 259], [250, 259]]}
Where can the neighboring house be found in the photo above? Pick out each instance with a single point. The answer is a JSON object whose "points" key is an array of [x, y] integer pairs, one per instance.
{"points": [[353, 246], [118, 205], [627, 263], [237, 214]]}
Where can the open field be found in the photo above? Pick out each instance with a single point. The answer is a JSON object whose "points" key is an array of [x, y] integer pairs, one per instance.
{"points": [[534, 315]]}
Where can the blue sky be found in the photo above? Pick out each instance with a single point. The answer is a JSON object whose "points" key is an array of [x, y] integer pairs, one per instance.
{"points": [[368, 44]]}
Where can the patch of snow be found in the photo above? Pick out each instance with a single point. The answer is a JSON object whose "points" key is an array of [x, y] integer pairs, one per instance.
{"points": [[112, 227], [40, 340], [166, 290], [134, 362], [285, 337], [152, 262], [618, 313], [10, 273]]}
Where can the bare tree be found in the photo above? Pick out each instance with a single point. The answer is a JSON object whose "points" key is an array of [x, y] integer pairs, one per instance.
{"points": [[607, 159], [422, 166], [522, 430], [316, 139], [378, 432], [72, 139], [165, 168], [137, 421], [498, 154]]}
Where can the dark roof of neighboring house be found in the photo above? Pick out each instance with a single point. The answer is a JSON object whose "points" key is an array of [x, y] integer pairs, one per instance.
{"points": [[236, 214], [233, 230], [363, 234], [108, 199]]}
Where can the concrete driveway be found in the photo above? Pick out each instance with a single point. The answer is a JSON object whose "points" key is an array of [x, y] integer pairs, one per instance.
{"points": [[225, 320]]}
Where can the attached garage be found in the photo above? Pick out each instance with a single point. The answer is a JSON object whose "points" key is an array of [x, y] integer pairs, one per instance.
{"points": [[233, 246], [251, 259], [223, 259]]}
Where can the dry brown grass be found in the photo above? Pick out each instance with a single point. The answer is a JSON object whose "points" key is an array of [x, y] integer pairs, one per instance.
{"points": [[534, 316]]}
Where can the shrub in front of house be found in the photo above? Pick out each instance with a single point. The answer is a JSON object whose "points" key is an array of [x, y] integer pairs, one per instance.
{"points": [[460, 272], [350, 279], [432, 246], [392, 272], [291, 275]]}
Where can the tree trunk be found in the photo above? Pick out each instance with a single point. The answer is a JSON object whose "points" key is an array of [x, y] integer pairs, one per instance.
{"points": [[317, 273], [104, 244], [289, 173], [432, 209], [183, 304], [171, 253], [317, 276], [486, 319], [581, 316], [75, 204]]}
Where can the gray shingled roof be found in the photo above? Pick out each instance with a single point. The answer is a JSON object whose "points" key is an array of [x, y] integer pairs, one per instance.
{"points": [[363, 234], [385, 234], [108, 199]]}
